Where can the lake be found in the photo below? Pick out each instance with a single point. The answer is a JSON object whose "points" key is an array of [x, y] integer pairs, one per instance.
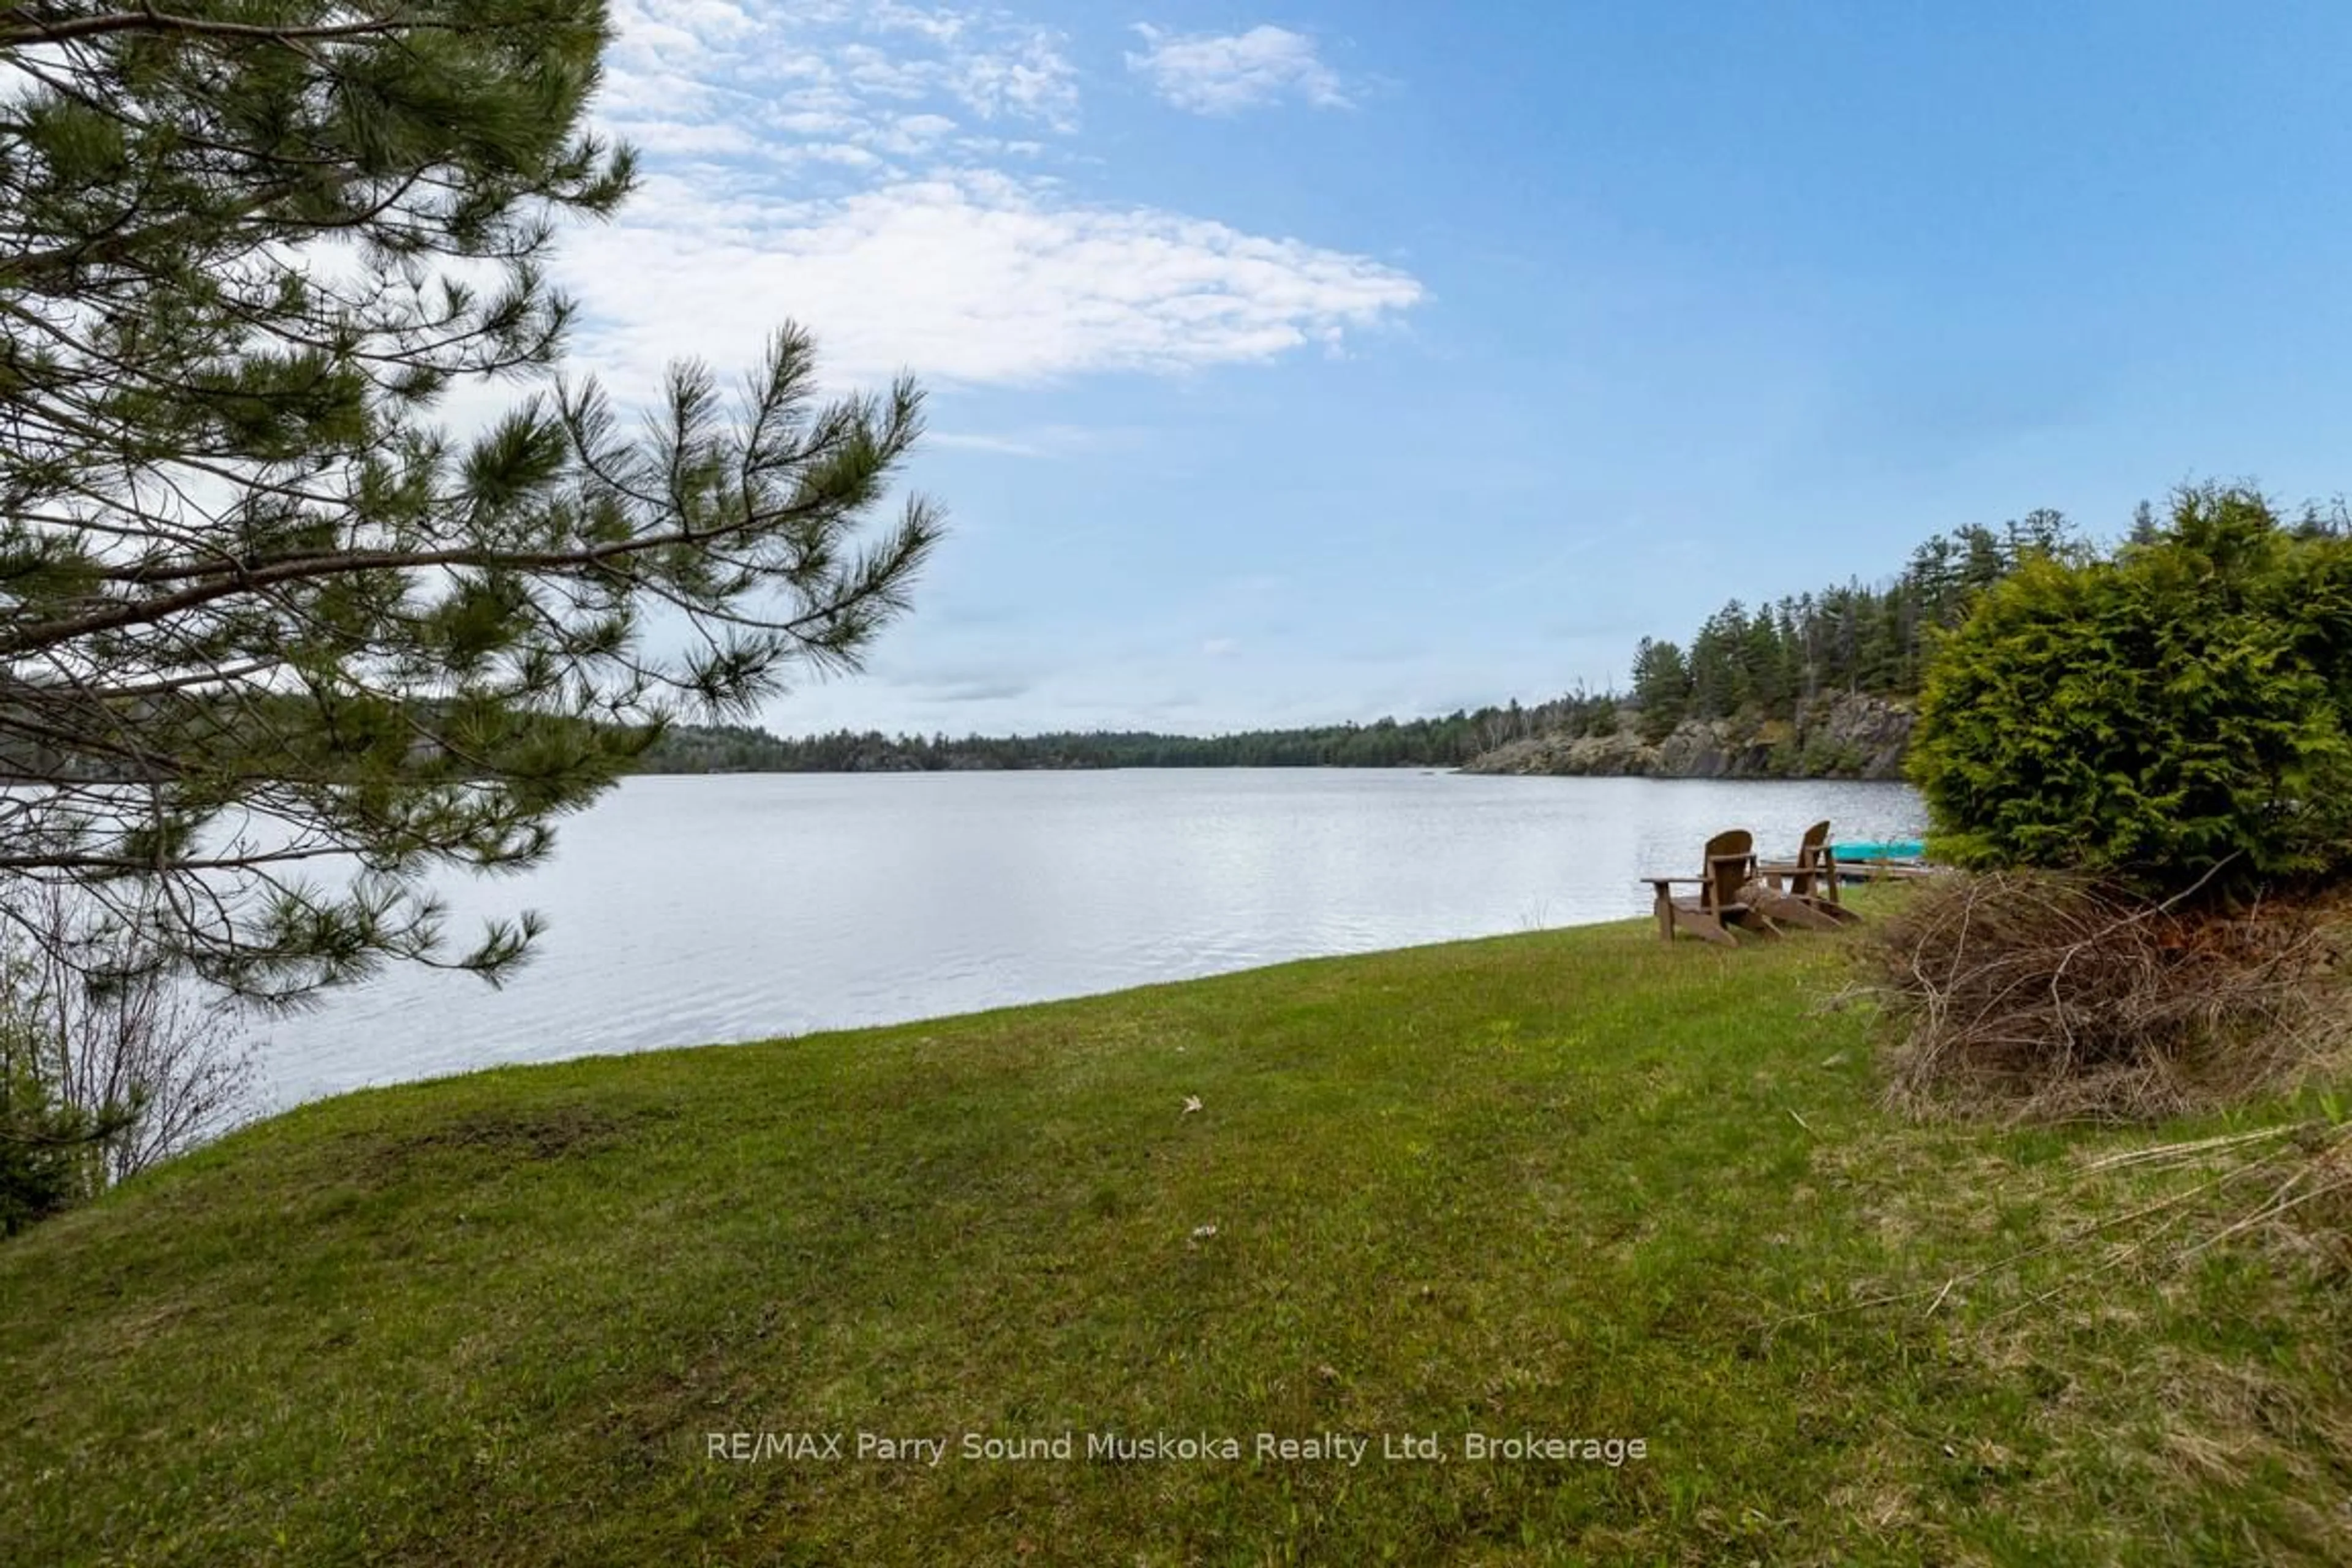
{"points": [[685, 910]]}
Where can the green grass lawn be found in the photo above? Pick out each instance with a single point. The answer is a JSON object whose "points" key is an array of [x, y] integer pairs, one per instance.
{"points": [[1569, 1184]]}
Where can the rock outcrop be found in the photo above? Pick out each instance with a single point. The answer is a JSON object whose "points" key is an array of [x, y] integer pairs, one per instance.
{"points": [[1849, 735]]}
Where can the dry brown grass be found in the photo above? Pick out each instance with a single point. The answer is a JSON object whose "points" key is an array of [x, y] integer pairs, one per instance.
{"points": [[2037, 996], [2288, 1187]]}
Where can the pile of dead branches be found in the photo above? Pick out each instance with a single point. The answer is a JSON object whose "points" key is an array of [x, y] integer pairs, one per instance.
{"points": [[2033, 996]]}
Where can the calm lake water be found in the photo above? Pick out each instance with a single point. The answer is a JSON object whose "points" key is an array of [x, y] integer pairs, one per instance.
{"points": [[687, 911]]}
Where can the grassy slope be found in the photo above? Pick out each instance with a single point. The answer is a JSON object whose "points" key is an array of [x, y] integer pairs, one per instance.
{"points": [[1568, 1181]]}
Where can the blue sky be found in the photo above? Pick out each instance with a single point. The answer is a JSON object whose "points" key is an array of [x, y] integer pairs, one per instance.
{"points": [[1299, 365]]}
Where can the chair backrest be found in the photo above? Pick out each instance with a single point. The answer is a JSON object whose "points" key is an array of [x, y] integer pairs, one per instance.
{"points": [[1813, 851], [1731, 864]]}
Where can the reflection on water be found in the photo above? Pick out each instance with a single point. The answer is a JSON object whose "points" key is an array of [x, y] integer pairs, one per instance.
{"points": [[685, 911]]}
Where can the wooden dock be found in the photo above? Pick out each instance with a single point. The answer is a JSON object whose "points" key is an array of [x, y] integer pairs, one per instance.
{"points": [[1885, 870]]}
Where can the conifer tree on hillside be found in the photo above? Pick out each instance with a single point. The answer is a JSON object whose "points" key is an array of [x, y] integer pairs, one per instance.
{"points": [[1661, 688]]}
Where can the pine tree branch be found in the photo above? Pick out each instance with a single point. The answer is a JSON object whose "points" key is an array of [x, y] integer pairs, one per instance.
{"points": [[21, 27]]}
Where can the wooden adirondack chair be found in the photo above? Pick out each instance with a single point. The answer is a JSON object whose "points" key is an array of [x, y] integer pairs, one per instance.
{"points": [[1727, 870], [1811, 880]]}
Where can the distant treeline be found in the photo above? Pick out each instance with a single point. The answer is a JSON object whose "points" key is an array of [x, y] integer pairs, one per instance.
{"points": [[1430, 743], [1759, 664]]}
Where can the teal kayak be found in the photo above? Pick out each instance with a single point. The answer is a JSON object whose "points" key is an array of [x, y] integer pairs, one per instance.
{"points": [[1891, 849]]}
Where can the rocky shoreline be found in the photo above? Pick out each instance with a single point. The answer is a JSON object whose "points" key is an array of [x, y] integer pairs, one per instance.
{"points": [[1848, 735]]}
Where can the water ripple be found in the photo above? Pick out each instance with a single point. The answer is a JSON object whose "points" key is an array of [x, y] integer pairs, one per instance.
{"points": [[691, 910]]}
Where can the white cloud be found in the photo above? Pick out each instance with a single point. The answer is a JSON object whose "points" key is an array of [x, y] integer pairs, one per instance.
{"points": [[976, 277], [882, 173], [911, 135], [692, 139], [1038, 441], [858, 65], [1224, 73], [979, 441]]}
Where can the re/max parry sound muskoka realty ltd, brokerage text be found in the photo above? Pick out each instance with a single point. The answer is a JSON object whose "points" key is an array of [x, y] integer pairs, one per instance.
{"points": [[1350, 1449]]}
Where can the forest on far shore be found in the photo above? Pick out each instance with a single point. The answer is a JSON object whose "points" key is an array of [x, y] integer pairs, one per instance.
{"points": [[1762, 663]]}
